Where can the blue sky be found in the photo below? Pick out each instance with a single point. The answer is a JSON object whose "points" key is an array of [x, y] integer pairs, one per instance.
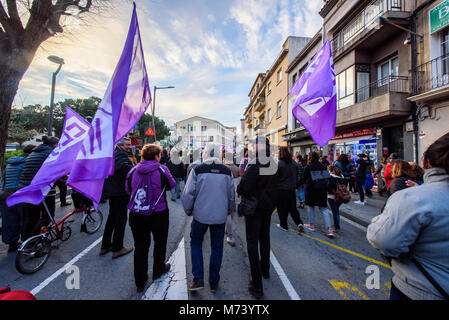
{"points": [[211, 51]]}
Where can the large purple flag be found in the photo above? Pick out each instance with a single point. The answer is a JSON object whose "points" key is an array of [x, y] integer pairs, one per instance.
{"points": [[316, 103], [58, 163], [126, 100]]}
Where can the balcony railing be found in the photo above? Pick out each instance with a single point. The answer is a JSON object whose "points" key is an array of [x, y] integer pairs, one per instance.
{"points": [[432, 75], [398, 84], [363, 20], [260, 103]]}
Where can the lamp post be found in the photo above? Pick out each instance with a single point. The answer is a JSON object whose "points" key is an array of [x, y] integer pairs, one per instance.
{"points": [[154, 107], [59, 61]]}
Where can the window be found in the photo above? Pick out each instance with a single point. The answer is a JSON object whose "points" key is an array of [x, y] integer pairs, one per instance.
{"points": [[345, 88], [387, 69], [203, 128], [279, 75], [295, 76], [269, 115], [269, 87], [444, 56], [279, 113], [211, 139]]}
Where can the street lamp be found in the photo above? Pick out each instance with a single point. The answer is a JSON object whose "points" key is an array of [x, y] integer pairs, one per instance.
{"points": [[59, 61], [154, 106]]}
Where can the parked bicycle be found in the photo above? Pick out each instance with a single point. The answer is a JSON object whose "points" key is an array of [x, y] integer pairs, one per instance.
{"points": [[35, 251]]}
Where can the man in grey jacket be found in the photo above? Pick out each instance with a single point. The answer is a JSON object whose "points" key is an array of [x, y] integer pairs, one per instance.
{"points": [[209, 196], [413, 231]]}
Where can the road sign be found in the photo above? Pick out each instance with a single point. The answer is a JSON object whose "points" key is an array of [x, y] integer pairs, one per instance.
{"points": [[149, 132]]}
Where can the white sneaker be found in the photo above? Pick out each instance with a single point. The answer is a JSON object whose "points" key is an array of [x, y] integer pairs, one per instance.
{"points": [[279, 226], [360, 202], [230, 241]]}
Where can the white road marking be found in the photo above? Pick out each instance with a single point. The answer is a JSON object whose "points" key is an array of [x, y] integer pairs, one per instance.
{"points": [[64, 268], [172, 285], [355, 224], [287, 284]]}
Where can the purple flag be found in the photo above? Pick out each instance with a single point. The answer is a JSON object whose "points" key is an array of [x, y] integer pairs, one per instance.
{"points": [[58, 163], [316, 103], [126, 100]]}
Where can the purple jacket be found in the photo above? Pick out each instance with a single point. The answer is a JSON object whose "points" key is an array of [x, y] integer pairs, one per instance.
{"points": [[141, 171]]}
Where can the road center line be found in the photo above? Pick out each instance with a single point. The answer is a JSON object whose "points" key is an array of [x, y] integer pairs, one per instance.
{"points": [[287, 284], [37, 289]]}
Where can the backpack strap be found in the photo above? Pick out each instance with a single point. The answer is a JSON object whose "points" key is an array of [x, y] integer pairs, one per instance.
{"points": [[129, 179]]}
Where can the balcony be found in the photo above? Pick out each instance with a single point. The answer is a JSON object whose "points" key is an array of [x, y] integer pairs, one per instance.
{"points": [[431, 80], [366, 20], [382, 99], [260, 104]]}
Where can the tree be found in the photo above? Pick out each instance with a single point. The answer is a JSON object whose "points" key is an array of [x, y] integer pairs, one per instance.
{"points": [[24, 26], [17, 133], [146, 121]]}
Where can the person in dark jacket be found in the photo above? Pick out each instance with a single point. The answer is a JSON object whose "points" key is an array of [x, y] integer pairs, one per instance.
{"points": [[164, 157], [61, 184], [114, 190], [285, 188], [143, 221], [259, 180], [36, 216], [336, 179], [344, 165], [12, 218], [360, 176], [177, 170], [316, 193]]}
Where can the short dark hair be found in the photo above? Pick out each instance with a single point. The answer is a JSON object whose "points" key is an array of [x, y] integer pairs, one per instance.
{"points": [[314, 157], [284, 154], [150, 151], [29, 148], [437, 155]]}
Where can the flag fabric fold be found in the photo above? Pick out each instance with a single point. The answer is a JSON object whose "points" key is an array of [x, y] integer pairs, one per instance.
{"points": [[125, 101], [316, 97], [58, 164]]}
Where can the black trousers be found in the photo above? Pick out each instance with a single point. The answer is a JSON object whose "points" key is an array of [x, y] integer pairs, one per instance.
{"points": [[36, 217], [62, 191], [286, 202], [258, 240], [360, 184], [142, 228], [114, 230]]}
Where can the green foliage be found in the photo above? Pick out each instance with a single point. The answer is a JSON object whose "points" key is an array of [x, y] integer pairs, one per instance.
{"points": [[145, 122]]}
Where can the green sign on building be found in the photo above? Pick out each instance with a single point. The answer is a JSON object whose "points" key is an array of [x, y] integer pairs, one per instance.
{"points": [[439, 16]]}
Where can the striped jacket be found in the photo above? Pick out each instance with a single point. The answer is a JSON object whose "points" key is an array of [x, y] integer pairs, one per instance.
{"points": [[13, 170]]}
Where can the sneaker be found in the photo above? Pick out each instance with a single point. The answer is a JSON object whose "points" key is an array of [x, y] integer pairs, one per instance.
{"points": [[279, 226], [309, 227], [196, 286], [230, 241], [301, 228], [122, 252], [360, 202], [104, 251], [330, 233], [166, 269]]}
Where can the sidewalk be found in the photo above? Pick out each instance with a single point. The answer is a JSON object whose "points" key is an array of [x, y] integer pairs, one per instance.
{"points": [[363, 214]]}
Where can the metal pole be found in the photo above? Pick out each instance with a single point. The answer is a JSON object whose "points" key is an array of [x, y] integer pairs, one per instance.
{"points": [[53, 84], [152, 116]]}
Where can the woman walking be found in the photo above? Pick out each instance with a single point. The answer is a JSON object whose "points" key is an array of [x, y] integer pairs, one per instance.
{"points": [[147, 184], [316, 193], [300, 185], [336, 179], [412, 231], [285, 188]]}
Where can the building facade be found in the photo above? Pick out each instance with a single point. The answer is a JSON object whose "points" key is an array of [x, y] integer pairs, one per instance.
{"points": [[195, 132]]}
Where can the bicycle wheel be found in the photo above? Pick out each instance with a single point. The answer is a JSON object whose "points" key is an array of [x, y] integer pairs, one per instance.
{"points": [[92, 220], [33, 255]]}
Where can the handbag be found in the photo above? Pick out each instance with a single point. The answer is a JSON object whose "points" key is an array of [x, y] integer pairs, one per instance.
{"points": [[248, 204]]}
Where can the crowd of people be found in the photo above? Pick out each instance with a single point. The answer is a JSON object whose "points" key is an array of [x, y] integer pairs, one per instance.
{"points": [[217, 186]]}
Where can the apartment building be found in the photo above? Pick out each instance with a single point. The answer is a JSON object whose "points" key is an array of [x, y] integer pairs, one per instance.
{"points": [[430, 71], [267, 111], [195, 132], [372, 59]]}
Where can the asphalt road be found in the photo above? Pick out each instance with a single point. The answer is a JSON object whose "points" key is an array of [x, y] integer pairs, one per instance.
{"points": [[306, 266]]}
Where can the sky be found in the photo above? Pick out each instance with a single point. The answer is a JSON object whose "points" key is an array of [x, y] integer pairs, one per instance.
{"points": [[211, 51]]}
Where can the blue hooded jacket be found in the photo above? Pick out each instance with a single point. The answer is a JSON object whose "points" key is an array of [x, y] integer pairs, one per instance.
{"points": [[13, 170]]}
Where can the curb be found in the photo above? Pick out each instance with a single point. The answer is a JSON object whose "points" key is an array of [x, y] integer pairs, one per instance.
{"points": [[355, 219]]}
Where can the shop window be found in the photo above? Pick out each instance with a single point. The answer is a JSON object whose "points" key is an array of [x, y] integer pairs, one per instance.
{"points": [[345, 88]]}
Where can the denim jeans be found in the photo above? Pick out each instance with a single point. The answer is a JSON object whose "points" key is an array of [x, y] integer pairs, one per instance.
{"points": [[324, 212], [335, 207], [176, 191], [197, 233], [302, 194]]}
